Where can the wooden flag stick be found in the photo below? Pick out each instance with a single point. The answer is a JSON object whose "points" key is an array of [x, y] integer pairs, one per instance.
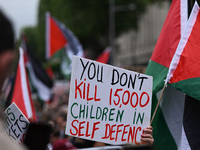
{"points": [[158, 104]]}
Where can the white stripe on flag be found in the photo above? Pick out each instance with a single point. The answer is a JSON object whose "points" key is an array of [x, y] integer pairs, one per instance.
{"points": [[25, 92], [172, 105], [44, 92], [183, 14], [184, 145]]}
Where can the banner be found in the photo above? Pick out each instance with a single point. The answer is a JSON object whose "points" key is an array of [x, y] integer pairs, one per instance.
{"points": [[108, 104], [16, 123]]}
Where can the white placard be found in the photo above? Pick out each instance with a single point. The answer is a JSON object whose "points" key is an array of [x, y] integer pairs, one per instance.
{"points": [[108, 104], [15, 123]]}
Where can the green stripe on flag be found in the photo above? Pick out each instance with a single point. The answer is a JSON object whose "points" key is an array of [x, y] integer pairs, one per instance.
{"points": [[161, 133], [66, 66], [190, 87], [158, 77], [61, 63], [163, 140]]}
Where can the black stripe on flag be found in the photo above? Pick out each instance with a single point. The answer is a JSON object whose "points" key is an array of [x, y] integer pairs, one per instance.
{"points": [[191, 122], [39, 71]]}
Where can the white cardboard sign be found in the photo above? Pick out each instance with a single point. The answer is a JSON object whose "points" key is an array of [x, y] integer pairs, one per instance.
{"points": [[15, 124], [108, 104]]}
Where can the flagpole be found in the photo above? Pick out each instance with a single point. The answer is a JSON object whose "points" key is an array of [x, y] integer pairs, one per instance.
{"points": [[158, 104]]}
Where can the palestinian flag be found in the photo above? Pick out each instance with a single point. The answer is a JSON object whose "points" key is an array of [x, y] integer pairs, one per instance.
{"points": [[184, 75], [104, 57], [39, 79], [21, 91], [168, 130], [61, 44], [55, 39], [184, 70]]}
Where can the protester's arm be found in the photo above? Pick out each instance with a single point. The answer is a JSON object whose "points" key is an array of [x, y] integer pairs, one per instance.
{"points": [[146, 136]]}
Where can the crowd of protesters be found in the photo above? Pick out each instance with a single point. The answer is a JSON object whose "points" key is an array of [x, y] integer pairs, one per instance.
{"points": [[53, 113]]}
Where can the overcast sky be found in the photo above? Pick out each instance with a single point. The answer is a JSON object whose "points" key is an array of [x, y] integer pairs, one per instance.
{"points": [[21, 12]]}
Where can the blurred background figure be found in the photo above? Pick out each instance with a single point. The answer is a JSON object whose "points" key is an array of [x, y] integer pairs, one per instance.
{"points": [[7, 56], [61, 123]]}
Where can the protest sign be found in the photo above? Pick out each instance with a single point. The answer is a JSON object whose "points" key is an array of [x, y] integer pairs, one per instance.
{"points": [[108, 104], [15, 124]]}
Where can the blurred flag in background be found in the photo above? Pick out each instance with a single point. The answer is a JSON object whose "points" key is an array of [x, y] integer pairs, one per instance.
{"points": [[40, 81], [20, 91], [104, 57], [61, 44]]}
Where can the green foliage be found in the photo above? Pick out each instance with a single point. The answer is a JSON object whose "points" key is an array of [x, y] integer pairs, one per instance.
{"points": [[89, 19], [32, 42]]}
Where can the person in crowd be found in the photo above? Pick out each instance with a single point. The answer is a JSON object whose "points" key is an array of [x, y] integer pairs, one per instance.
{"points": [[61, 123], [63, 144], [7, 56], [54, 135]]}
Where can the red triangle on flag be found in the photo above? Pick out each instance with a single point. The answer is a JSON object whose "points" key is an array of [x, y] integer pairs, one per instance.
{"points": [[104, 57], [21, 93], [170, 35], [54, 36], [50, 72]]}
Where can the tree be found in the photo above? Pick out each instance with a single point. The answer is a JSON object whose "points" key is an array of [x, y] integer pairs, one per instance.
{"points": [[32, 41]]}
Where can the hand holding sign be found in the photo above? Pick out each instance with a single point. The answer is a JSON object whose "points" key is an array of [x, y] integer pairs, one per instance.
{"points": [[108, 104], [146, 136]]}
